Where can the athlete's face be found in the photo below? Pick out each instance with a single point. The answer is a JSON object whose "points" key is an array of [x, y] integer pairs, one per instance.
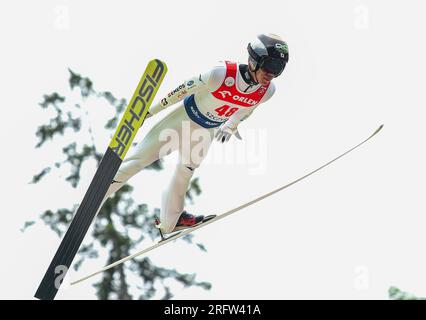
{"points": [[264, 77]]}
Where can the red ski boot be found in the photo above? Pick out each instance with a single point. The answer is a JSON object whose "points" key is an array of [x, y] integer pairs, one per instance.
{"points": [[187, 220]]}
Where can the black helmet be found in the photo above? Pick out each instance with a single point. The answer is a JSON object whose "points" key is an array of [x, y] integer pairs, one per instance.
{"points": [[268, 52]]}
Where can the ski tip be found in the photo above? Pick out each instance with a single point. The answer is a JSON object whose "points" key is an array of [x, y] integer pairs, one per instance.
{"points": [[378, 129], [158, 62], [207, 218]]}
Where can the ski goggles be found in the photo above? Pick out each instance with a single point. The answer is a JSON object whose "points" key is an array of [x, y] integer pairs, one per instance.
{"points": [[272, 65]]}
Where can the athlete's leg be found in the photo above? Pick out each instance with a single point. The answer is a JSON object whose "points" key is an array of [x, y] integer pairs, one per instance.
{"points": [[152, 148], [190, 157]]}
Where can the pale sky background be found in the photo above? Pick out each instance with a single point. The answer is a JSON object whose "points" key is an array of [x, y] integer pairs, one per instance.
{"points": [[348, 232]]}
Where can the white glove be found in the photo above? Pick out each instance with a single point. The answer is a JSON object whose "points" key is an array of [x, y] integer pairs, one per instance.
{"points": [[225, 132]]}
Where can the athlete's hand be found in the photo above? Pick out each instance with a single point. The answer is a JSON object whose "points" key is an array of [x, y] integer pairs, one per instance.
{"points": [[225, 132]]}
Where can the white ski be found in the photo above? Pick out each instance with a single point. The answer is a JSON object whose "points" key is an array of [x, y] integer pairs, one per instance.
{"points": [[220, 216]]}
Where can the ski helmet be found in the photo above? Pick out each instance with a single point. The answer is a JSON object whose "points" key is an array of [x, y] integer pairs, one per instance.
{"points": [[268, 52]]}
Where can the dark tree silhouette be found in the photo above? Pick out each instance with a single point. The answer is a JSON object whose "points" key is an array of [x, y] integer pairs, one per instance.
{"points": [[119, 212]]}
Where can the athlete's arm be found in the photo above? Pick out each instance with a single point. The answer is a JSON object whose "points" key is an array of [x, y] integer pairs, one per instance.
{"points": [[188, 87]]}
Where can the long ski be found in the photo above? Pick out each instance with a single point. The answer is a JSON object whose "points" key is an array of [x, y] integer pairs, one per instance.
{"points": [[131, 121], [220, 216]]}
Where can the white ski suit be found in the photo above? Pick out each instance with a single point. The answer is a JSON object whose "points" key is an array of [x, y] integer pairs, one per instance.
{"points": [[221, 96]]}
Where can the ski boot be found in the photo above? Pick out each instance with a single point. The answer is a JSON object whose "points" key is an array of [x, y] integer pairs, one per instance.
{"points": [[187, 220]]}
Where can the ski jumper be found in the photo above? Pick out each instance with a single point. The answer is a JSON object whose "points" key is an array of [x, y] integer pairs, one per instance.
{"points": [[210, 99]]}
